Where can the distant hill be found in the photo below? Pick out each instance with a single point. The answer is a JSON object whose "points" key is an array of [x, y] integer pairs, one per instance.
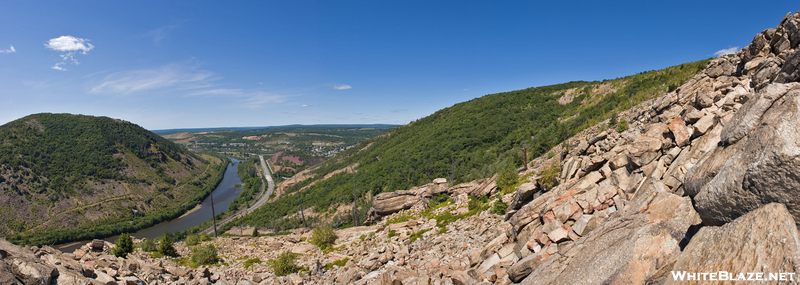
{"points": [[198, 130], [466, 142], [69, 177]]}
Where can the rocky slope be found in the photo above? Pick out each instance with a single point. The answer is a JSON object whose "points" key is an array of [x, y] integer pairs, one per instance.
{"points": [[704, 181]]}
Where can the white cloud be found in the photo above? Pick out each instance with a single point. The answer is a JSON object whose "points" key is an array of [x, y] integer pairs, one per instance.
{"points": [[168, 76], [58, 66], [304, 105], [465, 89], [71, 46], [10, 50], [726, 51], [342, 87]]}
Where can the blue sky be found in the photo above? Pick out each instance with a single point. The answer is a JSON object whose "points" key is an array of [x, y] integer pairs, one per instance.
{"points": [[183, 64]]}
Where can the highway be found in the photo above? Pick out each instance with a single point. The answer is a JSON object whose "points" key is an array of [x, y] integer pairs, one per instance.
{"points": [[261, 201]]}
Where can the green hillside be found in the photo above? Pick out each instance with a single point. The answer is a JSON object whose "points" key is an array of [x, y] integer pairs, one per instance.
{"points": [[468, 141], [67, 177]]}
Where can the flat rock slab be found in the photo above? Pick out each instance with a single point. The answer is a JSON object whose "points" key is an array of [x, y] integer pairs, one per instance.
{"points": [[762, 241]]}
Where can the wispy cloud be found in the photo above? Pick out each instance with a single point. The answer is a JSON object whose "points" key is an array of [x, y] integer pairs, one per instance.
{"points": [[465, 89], [342, 87], [70, 46], [160, 33], [247, 99], [10, 50], [726, 51], [259, 99], [168, 76], [304, 105], [220, 91]]}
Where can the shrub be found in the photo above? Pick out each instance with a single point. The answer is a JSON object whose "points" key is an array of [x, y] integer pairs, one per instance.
{"points": [[392, 234], [255, 232], [148, 245], [323, 237], [622, 125], [549, 177], [284, 264], [613, 120], [438, 199], [205, 255], [192, 240], [165, 246], [476, 203], [124, 246], [507, 178], [499, 207]]}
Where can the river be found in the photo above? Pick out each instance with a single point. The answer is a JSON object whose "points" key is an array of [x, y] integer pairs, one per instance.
{"points": [[223, 195]]}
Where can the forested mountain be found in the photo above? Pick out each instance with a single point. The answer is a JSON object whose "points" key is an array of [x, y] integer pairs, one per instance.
{"points": [[68, 177], [468, 141]]}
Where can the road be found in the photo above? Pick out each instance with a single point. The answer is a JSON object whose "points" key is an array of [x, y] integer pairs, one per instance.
{"points": [[261, 201]]}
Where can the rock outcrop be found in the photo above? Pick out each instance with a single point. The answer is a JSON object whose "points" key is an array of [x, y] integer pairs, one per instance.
{"points": [[762, 241]]}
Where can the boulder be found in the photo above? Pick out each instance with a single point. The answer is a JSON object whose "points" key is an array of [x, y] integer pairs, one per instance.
{"points": [[392, 202], [524, 194], [762, 241], [760, 166], [97, 245], [679, 131], [720, 66], [630, 247], [644, 150], [790, 71], [525, 266], [705, 123], [746, 119], [6, 277]]}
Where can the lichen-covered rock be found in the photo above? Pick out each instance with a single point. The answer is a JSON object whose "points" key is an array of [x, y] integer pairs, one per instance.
{"points": [[760, 166], [762, 241]]}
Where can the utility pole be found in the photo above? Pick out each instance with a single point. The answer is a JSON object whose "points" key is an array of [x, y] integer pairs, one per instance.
{"points": [[300, 203], [525, 157], [213, 214], [355, 200]]}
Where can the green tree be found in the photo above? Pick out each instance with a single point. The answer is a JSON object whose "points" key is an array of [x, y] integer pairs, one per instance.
{"points": [[165, 247], [124, 246], [255, 232]]}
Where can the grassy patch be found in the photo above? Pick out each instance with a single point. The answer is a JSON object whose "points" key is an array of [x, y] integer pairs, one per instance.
{"points": [[340, 263], [250, 262], [417, 235], [399, 219]]}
